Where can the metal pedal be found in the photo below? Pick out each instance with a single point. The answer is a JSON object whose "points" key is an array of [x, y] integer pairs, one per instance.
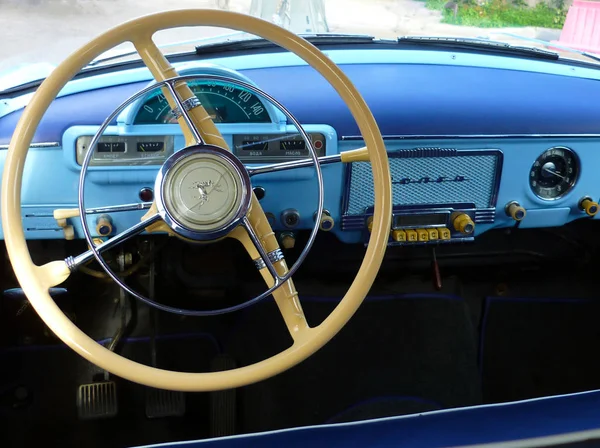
{"points": [[223, 412], [97, 400], [164, 403]]}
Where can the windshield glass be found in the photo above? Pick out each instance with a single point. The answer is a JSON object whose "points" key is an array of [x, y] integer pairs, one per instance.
{"points": [[46, 31]]}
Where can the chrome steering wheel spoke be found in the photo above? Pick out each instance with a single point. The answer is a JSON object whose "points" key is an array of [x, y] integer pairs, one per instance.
{"points": [[292, 165], [74, 262]]}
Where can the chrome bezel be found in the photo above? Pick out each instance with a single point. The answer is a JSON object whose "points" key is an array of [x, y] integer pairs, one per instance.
{"points": [[244, 202], [570, 184]]}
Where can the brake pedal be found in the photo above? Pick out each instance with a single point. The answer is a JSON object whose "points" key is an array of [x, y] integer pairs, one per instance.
{"points": [[97, 400], [162, 403], [223, 412]]}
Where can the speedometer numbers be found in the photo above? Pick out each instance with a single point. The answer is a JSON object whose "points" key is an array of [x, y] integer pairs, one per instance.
{"points": [[554, 173], [224, 103]]}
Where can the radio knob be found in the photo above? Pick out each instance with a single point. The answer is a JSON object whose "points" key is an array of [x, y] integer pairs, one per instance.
{"points": [[588, 206], [463, 223]]}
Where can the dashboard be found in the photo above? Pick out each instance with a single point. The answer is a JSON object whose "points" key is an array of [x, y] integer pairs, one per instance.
{"points": [[492, 150]]}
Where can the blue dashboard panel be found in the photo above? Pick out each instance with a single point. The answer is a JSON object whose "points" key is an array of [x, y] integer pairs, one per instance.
{"points": [[437, 105], [406, 99]]}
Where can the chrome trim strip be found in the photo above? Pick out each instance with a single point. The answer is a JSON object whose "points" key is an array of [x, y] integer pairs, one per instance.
{"points": [[38, 145], [325, 160], [188, 105], [469, 136], [274, 256]]}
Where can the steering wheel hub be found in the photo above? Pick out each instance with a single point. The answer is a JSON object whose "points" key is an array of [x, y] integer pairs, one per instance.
{"points": [[204, 191]]}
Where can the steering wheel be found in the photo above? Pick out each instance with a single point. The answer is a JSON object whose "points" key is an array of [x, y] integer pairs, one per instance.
{"points": [[200, 133]]}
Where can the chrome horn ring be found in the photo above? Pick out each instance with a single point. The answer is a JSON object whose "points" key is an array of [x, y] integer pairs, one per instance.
{"points": [[278, 280]]}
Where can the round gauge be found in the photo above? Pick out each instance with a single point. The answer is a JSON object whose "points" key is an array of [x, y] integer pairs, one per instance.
{"points": [[554, 173]]}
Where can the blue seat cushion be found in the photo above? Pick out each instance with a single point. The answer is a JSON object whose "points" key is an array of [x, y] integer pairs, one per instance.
{"points": [[478, 424]]}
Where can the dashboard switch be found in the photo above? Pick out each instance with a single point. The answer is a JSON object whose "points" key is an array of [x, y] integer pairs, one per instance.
{"points": [[287, 240], [327, 222], [104, 225], [422, 235], [463, 223], [515, 211], [370, 223], [146, 194], [290, 218], [588, 206], [260, 192]]}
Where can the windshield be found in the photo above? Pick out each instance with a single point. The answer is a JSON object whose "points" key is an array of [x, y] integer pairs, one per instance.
{"points": [[46, 31]]}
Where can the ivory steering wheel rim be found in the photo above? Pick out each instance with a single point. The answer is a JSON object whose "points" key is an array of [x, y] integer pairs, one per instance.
{"points": [[35, 280]]}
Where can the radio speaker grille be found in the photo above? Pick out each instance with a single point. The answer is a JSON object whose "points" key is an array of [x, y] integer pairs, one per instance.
{"points": [[429, 176]]}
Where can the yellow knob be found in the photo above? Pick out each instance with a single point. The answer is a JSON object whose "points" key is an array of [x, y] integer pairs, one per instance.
{"points": [[515, 211], [69, 232], [327, 223], [104, 225], [463, 224], [589, 207], [370, 223], [288, 241]]}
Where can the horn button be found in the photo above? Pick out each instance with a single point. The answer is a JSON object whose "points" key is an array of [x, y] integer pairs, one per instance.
{"points": [[204, 191]]}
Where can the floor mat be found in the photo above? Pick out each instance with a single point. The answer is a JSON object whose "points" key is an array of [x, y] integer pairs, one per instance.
{"points": [[420, 346], [537, 347], [38, 387]]}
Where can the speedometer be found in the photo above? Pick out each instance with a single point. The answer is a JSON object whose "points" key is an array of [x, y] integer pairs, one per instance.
{"points": [[554, 173], [225, 103]]}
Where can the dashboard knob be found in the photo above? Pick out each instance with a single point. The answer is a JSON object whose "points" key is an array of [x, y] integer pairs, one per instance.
{"points": [[463, 223], [287, 240], [588, 206], [327, 222], [290, 218], [515, 211], [69, 233], [104, 225]]}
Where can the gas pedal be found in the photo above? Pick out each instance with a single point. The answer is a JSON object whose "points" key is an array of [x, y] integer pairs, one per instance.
{"points": [[223, 412], [97, 400], [162, 403]]}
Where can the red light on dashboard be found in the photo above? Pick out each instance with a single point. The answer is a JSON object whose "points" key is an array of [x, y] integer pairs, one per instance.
{"points": [[146, 194]]}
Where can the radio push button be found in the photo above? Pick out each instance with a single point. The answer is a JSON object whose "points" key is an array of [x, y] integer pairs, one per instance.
{"points": [[399, 235], [411, 236], [422, 235], [433, 234], [444, 233]]}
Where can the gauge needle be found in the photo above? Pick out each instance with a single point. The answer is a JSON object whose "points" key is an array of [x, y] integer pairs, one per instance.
{"points": [[142, 148], [554, 172]]}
